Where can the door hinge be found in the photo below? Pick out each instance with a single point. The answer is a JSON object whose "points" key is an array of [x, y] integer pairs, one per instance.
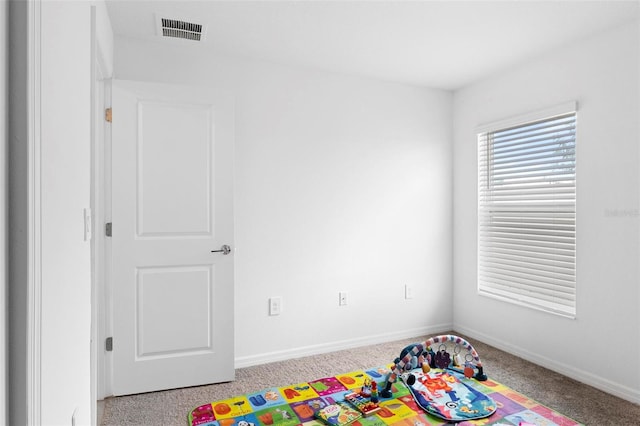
{"points": [[108, 344], [108, 229], [108, 115]]}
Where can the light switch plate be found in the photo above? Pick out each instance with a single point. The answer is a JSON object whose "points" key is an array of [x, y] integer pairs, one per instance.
{"points": [[88, 225]]}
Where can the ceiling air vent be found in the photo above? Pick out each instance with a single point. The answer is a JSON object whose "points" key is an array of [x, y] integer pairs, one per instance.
{"points": [[176, 28]]}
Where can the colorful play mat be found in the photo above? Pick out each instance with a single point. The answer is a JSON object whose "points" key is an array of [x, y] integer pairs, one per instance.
{"points": [[440, 381]]}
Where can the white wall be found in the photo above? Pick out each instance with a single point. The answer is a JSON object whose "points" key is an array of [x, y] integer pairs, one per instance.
{"points": [[50, 265], [104, 38], [342, 184], [602, 345], [65, 177]]}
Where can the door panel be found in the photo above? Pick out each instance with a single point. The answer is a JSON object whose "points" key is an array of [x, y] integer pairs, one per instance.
{"points": [[169, 203], [169, 301], [172, 204]]}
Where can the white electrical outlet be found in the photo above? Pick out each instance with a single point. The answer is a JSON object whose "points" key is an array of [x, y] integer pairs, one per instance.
{"points": [[343, 298], [408, 292], [275, 305]]}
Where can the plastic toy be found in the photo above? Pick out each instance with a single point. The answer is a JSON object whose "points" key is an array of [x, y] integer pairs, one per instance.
{"points": [[415, 356], [374, 392], [421, 355], [443, 394]]}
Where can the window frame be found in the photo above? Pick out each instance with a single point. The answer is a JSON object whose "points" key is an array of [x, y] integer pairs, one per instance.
{"points": [[520, 291]]}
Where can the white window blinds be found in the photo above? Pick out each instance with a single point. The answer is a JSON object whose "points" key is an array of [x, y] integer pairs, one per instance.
{"points": [[527, 212]]}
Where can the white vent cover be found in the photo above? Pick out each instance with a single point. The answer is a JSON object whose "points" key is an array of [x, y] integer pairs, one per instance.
{"points": [[179, 28]]}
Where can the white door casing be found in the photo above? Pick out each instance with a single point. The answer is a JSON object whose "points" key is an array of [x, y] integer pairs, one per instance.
{"points": [[172, 205]]}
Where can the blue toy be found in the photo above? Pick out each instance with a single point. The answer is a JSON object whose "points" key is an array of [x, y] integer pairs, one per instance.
{"points": [[421, 355]]}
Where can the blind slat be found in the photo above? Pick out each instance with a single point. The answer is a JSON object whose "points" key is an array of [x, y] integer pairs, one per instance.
{"points": [[527, 270], [564, 147], [559, 261], [541, 162], [538, 137], [555, 119]]}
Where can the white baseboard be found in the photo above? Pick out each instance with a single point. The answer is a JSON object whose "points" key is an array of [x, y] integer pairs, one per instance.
{"points": [[322, 348], [580, 375]]}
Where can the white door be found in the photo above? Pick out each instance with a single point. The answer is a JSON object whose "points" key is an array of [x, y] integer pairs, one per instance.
{"points": [[172, 205]]}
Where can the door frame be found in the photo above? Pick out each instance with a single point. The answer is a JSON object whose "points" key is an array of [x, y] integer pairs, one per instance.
{"points": [[34, 218], [27, 408], [101, 208]]}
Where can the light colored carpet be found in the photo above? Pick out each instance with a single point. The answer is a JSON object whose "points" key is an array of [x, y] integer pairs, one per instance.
{"points": [[583, 403]]}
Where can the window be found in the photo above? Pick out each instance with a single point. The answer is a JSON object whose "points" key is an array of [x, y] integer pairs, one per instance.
{"points": [[527, 210]]}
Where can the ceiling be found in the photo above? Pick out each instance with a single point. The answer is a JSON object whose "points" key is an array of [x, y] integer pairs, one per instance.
{"points": [[440, 44]]}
